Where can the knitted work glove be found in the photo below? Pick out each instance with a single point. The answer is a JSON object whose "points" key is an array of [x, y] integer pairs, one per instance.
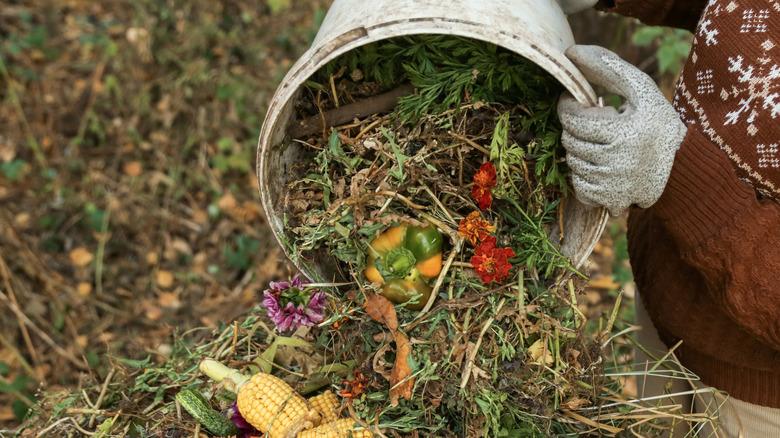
{"points": [[573, 6], [619, 157]]}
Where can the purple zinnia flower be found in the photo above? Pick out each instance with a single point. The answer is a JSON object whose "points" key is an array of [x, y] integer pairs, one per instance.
{"points": [[245, 430], [290, 305]]}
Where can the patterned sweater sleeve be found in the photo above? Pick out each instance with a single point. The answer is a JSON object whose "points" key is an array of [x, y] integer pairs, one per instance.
{"points": [[730, 236], [684, 14]]}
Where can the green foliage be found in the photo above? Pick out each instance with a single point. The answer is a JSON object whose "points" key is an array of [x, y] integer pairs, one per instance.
{"points": [[672, 46], [13, 170], [337, 153], [94, 217], [621, 270], [278, 5], [241, 253], [446, 71], [19, 389], [232, 155], [397, 171]]}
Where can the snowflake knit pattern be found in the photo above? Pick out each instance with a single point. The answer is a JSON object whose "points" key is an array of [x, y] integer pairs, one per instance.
{"points": [[730, 88]]}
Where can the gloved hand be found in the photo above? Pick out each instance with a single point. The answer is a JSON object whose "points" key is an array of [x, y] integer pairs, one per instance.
{"points": [[573, 6], [619, 157]]}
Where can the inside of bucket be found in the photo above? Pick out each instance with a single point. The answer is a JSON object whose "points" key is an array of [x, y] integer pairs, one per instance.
{"points": [[286, 163]]}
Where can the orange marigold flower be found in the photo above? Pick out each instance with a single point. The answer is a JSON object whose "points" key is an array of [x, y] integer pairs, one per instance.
{"points": [[484, 181], [355, 387], [491, 263], [475, 228]]}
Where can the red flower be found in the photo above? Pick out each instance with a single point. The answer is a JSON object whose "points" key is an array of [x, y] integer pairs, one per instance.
{"points": [[491, 263], [486, 175], [483, 196], [484, 181]]}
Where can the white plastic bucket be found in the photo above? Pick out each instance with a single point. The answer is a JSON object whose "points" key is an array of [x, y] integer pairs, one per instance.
{"points": [[536, 29]]}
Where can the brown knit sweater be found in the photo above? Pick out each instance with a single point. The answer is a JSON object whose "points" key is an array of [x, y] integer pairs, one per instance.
{"points": [[706, 256]]}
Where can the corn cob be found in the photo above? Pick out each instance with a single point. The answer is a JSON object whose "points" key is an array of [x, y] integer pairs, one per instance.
{"points": [[327, 405], [343, 428], [273, 407]]}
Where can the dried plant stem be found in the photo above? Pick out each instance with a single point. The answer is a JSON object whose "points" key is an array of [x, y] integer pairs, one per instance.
{"points": [[439, 204], [101, 396], [440, 279], [46, 338], [22, 327], [470, 362], [470, 142]]}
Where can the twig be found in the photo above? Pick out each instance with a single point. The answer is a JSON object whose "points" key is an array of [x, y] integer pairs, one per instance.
{"points": [[401, 198], [614, 314], [32, 142], [335, 93], [380, 103], [439, 204], [46, 338], [369, 127], [25, 334], [470, 142], [473, 355], [440, 280], [51, 426], [93, 92], [99, 254], [100, 397]]}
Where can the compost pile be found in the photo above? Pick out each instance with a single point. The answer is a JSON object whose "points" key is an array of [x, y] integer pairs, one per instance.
{"points": [[487, 341], [429, 181]]}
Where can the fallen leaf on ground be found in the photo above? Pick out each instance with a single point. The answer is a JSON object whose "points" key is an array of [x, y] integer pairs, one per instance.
{"points": [[381, 310], [133, 168], [80, 257], [164, 279], [401, 382], [84, 289], [22, 220], [152, 258], [604, 282], [169, 300], [227, 202], [7, 414], [151, 309]]}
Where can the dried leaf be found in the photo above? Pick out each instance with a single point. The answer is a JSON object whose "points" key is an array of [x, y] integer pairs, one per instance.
{"points": [[539, 353], [133, 168], [381, 310], [605, 282], [402, 384], [227, 202], [80, 257], [84, 289], [164, 279], [575, 403], [169, 300]]}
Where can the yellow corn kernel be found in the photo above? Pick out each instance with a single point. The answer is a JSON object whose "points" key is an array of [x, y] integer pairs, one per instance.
{"points": [[271, 405], [343, 428], [327, 405]]}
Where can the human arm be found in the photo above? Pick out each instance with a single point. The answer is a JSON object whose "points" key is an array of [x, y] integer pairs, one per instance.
{"points": [[727, 234], [644, 155], [684, 14]]}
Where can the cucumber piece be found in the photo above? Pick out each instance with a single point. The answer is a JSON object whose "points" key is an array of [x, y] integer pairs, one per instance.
{"points": [[200, 409]]}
